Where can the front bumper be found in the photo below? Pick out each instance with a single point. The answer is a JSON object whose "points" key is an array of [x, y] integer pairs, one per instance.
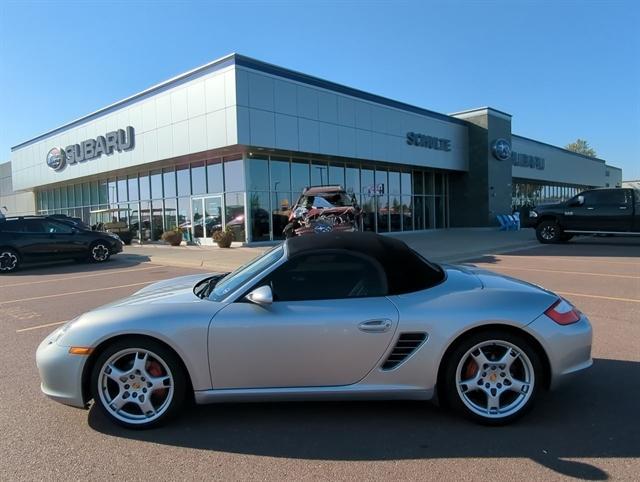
{"points": [[116, 247], [568, 347], [61, 373]]}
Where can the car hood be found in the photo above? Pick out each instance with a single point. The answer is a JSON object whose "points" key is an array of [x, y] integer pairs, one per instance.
{"points": [[173, 290], [542, 207]]}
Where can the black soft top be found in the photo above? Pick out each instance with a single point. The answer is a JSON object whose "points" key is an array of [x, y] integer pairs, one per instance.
{"points": [[406, 270]]}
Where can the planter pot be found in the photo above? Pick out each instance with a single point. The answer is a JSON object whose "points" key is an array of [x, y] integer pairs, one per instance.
{"points": [[224, 243], [174, 239]]}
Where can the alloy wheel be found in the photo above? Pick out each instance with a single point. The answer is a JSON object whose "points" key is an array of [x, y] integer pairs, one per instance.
{"points": [[495, 379], [8, 261], [135, 386], [100, 253], [548, 232]]}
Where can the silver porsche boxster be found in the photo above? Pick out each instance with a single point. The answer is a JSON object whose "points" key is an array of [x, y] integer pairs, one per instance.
{"points": [[330, 316]]}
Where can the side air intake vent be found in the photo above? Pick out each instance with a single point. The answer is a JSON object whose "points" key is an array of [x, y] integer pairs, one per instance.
{"points": [[407, 343]]}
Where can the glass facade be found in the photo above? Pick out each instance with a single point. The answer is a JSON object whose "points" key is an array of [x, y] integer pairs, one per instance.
{"points": [[526, 193], [251, 195]]}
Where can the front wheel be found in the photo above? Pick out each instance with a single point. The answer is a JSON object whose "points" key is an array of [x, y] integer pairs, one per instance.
{"points": [[9, 260], [99, 253], [492, 377], [548, 232], [138, 383]]}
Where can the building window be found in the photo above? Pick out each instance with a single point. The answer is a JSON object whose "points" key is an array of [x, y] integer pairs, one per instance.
{"points": [[234, 175], [183, 180], [214, 176], [198, 178]]}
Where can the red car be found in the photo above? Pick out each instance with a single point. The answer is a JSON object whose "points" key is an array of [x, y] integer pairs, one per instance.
{"points": [[323, 209]]}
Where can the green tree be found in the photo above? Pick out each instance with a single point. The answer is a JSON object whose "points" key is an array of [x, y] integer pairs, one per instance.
{"points": [[581, 147]]}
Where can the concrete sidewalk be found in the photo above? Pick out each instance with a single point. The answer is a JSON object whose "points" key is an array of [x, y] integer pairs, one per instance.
{"points": [[450, 245]]}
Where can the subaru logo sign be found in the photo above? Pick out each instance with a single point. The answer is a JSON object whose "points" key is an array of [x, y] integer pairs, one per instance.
{"points": [[501, 149], [56, 159], [322, 228]]}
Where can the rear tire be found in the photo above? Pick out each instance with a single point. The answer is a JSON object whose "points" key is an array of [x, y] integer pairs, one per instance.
{"points": [[134, 391], [99, 252], [492, 377], [9, 260], [548, 232]]}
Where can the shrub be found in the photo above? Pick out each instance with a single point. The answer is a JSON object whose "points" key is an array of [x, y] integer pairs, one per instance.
{"points": [[173, 237], [223, 238]]}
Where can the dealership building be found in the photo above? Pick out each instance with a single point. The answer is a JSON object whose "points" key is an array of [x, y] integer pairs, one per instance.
{"points": [[235, 142]]}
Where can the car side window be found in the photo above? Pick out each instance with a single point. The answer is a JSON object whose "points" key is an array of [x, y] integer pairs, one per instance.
{"points": [[33, 226], [53, 227], [610, 197], [12, 226], [326, 276]]}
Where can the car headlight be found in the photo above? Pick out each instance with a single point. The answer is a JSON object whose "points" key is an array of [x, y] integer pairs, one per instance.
{"points": [[533, 214]]}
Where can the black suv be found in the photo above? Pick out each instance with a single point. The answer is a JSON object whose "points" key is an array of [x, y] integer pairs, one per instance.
{"points": [[598, 211], [32, 239]]}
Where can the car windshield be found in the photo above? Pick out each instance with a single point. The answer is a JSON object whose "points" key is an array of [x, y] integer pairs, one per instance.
{"points": [[332, 200], [244, 273]]}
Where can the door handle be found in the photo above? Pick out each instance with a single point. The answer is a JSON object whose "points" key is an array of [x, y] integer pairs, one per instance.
{"points": [[590, 208], [375, 326], [622, 207]]}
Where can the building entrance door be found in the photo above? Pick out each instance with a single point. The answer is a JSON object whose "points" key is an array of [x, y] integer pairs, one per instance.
{"points": [[206, 217]]}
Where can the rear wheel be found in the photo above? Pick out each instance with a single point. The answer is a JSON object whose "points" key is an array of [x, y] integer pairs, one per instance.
{"points": [[492, 377], [138, 383], [9, 260], [548, 232], [99, 253]]}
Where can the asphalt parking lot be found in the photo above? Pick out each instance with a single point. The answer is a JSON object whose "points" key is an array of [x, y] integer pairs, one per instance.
{"points": [[586, 429]]}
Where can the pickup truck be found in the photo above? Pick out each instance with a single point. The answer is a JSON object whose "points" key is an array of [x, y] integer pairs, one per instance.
{"points": [[613, 211]]}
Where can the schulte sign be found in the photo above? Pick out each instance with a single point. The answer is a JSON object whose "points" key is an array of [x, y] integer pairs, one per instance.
{"points": [[120, 140], [429, 142]]}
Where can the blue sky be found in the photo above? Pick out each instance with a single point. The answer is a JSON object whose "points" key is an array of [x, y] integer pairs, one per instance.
{"points": [[563, 69]]}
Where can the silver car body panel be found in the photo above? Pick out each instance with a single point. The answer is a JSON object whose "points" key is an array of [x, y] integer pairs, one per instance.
{"points": [[235, 350]]}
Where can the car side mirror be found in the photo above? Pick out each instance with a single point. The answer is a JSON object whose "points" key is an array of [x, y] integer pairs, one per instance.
{"points": [[261, 296]]}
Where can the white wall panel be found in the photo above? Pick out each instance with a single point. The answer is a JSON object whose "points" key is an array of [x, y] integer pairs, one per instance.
{"points": [[196, 103], [559, 166], [260, 92], [307, 102], [287, 132], [216, 129], [177, 120], [327, 107], [346, 111], [309, 138], [285, 98], [262, 128], [328, 138]]}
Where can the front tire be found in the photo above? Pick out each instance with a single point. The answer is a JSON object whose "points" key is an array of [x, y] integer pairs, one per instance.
{"points": [[492, 377], [138, 383], [9, 260], [99, 253], [549, 232]]}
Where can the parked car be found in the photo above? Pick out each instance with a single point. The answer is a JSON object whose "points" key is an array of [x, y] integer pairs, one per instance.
{"points": [[322, 209], [331, 316], [31, 239], [597, 211]]}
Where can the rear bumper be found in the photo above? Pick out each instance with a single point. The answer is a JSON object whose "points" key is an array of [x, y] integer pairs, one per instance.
{"points": [[61, 373], [568, 347]]}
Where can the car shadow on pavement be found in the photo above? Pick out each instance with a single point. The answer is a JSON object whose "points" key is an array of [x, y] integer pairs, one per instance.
{"points": [[118, 261], [593, 416], [587, 247]]}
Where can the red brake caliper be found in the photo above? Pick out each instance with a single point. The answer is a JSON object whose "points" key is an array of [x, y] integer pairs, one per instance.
{"points": [[155, 370]]}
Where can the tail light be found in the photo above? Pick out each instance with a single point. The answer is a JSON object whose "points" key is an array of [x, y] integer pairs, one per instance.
{"points": [[563, 312]]}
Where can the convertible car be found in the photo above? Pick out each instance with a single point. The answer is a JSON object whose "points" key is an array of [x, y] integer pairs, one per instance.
{"points": [[330, 316]]}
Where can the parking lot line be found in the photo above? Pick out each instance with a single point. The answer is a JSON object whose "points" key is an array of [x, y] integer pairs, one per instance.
{"points": [[37, 327], [578, 259], [81, 276], [611, 298], [568, 272], [76, 292]]}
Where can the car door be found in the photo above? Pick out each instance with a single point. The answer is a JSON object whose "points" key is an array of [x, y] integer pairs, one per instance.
{"points": [[329, 325], [63, 239], [606, 210]]}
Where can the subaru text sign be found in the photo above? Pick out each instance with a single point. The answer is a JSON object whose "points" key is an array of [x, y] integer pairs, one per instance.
{"points": [[429, 142], [120, 140]]}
